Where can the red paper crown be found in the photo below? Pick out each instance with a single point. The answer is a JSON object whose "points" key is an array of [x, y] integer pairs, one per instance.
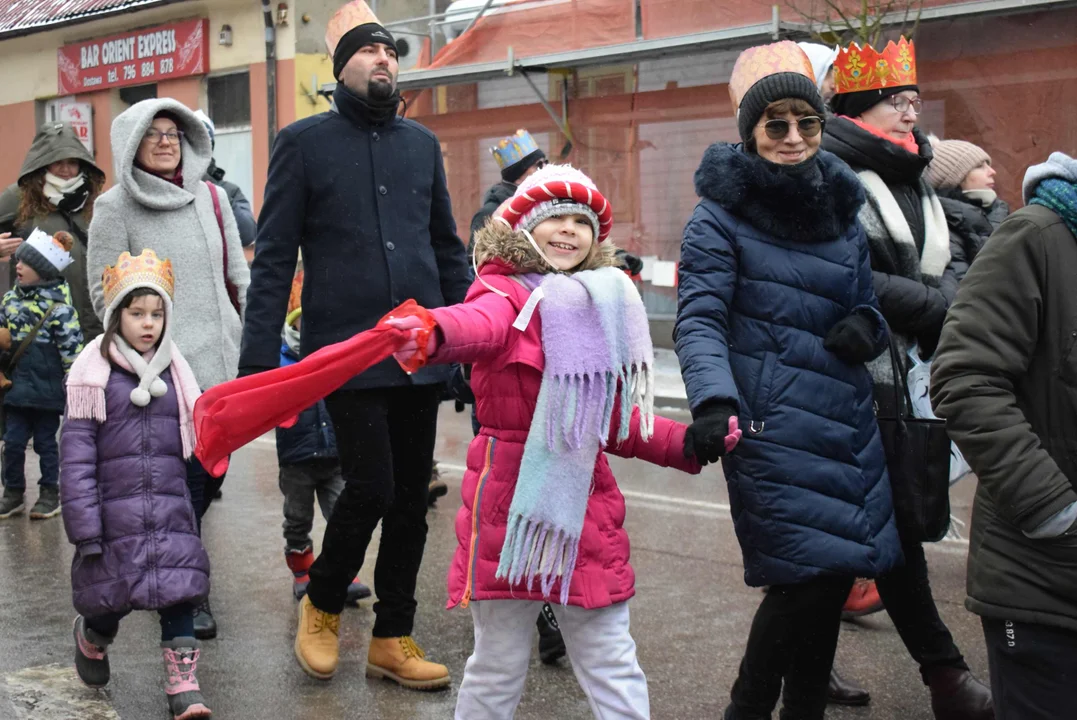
{"points": [[523, 202], [863, 68]]}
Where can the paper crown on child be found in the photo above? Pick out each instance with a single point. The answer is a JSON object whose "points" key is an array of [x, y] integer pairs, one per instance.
{"points": [[514, 148], [146, 270], [347, 18], [55, 251], [865, 68]]}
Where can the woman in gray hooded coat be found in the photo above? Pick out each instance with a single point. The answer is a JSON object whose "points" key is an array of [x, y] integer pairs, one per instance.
{"points": [[161, 151]]}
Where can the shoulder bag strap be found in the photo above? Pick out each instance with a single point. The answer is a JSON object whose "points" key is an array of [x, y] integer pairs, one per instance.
{"points": [[31, 336], [899, 380], [232, 290]]}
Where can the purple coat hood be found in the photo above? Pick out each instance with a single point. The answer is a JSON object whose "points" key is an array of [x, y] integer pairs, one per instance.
{"points": [[123, 485]]}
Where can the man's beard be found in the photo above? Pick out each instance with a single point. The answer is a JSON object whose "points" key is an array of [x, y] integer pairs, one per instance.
{"points": [[379, 90]]}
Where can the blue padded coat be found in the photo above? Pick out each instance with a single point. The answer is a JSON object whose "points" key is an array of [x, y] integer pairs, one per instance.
{"points": [[773, 257]]}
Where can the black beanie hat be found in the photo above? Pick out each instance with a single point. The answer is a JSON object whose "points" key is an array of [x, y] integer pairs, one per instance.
{"points": [[359, 37], [772, 88], [855, 104]]}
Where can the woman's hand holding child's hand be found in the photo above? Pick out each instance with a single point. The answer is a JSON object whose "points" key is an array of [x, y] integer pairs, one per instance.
{"points": [[714, 433]]}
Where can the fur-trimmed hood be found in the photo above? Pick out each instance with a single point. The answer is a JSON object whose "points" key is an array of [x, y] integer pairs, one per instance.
{"points": [[496, 241], [815, 201]]}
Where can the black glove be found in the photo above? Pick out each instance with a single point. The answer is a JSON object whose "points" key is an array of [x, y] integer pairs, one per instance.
{"points": [[252, 370], [706, 435], [630, 262], [853, 339]]}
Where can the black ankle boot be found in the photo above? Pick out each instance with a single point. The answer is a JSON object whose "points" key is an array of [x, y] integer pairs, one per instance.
{"points": [[551, 644], [205, 627], [842, 692], [957, 695]]}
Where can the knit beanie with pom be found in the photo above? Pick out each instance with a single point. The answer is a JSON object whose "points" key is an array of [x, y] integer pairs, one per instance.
{"points": [[953, 161], [47, 255]]}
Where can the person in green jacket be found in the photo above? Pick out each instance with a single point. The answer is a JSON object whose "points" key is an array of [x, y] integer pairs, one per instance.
{"points": [[57, 186], [1005, 380]]}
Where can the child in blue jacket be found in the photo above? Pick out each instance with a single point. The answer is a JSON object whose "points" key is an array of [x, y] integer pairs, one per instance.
{"points": [[309, 469]]}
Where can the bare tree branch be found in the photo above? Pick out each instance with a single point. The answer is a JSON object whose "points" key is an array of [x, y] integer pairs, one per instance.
{"points": [[863, 21]]}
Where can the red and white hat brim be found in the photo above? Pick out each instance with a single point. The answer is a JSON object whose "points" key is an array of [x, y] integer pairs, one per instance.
{"points": [[523, 202]]}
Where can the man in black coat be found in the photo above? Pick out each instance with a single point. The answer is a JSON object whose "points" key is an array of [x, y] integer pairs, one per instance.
{"points": [[363, 193]]}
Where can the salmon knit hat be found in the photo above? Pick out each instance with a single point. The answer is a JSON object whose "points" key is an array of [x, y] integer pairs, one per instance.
{"points": [[953, 161]]}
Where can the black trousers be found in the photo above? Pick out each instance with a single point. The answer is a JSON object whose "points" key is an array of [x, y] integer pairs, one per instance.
{"points": [[906, 592], [1033, 670], [385, 439], [792, 640]]}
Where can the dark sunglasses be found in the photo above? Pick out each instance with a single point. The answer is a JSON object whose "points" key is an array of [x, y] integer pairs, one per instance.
{"points": [[807, 127]]}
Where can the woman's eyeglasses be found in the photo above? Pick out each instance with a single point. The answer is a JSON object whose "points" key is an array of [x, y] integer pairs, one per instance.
{"points": [[902, 104], [807, 127], [157, 137]]}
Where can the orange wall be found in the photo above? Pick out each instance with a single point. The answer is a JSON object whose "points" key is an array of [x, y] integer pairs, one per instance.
{"points": [[186, 89], [259, 121], [17, 127]]}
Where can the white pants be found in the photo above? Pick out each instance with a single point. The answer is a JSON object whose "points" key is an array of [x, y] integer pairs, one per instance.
{"points": [[602, 651]]}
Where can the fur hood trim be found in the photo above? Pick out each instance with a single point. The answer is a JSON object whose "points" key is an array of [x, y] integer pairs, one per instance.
{"points": [[495, 241], [815, 201]]}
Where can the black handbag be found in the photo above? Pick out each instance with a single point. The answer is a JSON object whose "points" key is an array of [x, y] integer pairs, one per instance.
{"points": [[918, 458]]}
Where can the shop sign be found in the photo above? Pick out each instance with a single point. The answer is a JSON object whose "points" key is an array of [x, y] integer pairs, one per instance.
{"points": [[135, 58], [80, 117]]}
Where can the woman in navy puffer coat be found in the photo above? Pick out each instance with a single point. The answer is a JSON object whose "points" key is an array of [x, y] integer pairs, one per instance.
{"points": [[776, 319], [126, 507]]}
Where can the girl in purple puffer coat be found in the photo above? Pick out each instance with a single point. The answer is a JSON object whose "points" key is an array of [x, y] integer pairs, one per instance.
{"points": [[126, 508]]}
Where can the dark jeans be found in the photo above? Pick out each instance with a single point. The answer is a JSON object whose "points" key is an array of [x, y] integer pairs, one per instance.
{"points": [[385, 439], [906, 592], [793, 638], [300, 483], [1033, 670], [22, 425], [176, 621]]}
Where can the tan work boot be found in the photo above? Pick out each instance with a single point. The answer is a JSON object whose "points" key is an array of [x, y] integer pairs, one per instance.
{"points": [[401, 660], [317, 642]]}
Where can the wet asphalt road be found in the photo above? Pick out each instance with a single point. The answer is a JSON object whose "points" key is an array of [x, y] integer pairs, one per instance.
{"points": [[690, 616]]}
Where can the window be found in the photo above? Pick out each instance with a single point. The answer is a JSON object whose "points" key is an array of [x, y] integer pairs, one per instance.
{"points": [[230, 100], [138, 93]]}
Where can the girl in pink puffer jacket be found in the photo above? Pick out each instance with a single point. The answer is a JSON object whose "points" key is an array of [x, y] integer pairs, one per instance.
{"points": [[562, 373]]}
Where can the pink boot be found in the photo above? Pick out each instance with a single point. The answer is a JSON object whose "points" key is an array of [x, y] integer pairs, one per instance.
{"points": [[185, 700]]}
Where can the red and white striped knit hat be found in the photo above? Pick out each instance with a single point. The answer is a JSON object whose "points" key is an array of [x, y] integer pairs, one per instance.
{"points": [[556, 191]]}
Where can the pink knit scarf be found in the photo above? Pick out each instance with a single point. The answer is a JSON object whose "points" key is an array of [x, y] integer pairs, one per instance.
{"points": [[89, 376]]}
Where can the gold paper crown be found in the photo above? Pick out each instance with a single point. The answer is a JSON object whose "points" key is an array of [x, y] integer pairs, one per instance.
{"points": [[758, 62], [864, 68], [347, 18], [130, 272]]}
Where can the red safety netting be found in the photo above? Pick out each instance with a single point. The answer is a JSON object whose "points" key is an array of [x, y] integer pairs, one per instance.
{"points": [[668, 18], [232, 414], [539, 28], [1005, 83]]}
